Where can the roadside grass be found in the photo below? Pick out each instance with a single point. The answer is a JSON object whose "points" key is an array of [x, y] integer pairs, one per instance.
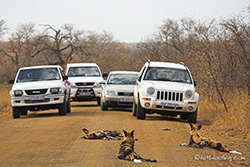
{"points": [[5, 104], [235, 120]]}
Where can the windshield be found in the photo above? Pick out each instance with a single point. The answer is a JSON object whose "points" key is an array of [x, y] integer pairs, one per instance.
{"points": [[167, 74], [83, 72], [122, 79], [38, 74]]}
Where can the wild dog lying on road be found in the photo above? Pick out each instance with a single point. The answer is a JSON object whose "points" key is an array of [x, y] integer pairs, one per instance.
{"points": [[197, 141], [127, 152], [103, 134]]}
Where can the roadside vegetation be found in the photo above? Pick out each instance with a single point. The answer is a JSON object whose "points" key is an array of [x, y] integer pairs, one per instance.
{"points": [[216, 51]]}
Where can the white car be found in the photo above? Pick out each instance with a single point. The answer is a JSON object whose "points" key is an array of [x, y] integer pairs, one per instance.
{"points": [[40, 88], [166, 89], [117, 91], [84, 80]]}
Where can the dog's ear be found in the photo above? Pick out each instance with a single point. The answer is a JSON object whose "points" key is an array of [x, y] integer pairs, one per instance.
{"points": [[125, 133], [191, 126], [199, 127], [85, 130], [132, 133]]}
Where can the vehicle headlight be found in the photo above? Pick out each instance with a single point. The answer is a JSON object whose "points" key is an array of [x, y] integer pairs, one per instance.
{"points": [[150, 91], [55, 90], [188, 94], [111, 93], [18, 92]]}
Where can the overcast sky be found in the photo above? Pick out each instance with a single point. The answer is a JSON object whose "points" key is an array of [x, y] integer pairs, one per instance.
{"points": [[127, 20]]}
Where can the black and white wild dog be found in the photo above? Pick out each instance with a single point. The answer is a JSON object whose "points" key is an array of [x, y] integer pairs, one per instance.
{"points": [[197, 141], [103, 134], [127, 152]]}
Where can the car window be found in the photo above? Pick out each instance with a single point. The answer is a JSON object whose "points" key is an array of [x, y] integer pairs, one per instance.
{"points": [[122, 79], [38, 74], [84, 72], [167, 74]]}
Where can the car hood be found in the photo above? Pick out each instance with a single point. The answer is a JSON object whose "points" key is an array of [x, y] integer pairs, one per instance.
{"points": [[85, 79], [124, 88], [36, 85], [173, 86]]}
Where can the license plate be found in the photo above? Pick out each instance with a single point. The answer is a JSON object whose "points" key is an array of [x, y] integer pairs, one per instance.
{"points": [[38, 97], [169, 104], [85, 93], [126, 99]]}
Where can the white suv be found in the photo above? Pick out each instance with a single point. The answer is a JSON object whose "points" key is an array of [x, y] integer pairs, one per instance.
{"points": [[166, 89], [39, 88], [84, 79]]}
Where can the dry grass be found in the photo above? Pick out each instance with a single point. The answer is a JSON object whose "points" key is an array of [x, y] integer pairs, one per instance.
{"points": [[5, 104], [235, 120]]}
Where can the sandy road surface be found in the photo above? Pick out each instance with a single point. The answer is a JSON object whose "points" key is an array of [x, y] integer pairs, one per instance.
{"points": [[47, 139]]}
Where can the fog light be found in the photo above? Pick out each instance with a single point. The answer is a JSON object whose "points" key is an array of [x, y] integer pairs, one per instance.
{"points": [[17, 101], [55, 99], [190, 108], [147, 104]]}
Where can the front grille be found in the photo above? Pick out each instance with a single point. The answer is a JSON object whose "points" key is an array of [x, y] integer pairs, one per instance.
{"points": [[125, 93], [36, 91], [169, 96], [37, 101], [85, 92], [84, 83]]}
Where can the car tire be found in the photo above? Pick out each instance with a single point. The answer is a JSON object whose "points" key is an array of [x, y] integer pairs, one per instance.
{"points": [[104, 105], [16, 112], [63, 108], [140, 114], [192, 118], [68, 106], [98, 101], [134, 109]]}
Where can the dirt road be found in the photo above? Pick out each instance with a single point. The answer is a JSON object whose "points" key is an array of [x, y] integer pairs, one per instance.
{"points": [[47, 139]]}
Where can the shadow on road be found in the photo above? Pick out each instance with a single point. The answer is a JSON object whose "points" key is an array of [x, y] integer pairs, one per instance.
{"points": [[84, 105], [40, 115], [120, 109], [164, 118]]}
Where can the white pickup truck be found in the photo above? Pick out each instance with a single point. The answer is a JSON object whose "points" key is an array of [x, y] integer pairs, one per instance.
{"points": [[85, 81], [39, 88], [166, 89]]}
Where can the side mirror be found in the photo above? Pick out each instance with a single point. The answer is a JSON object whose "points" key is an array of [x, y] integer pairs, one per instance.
{"points": [[195, 83], [105, 74], [11, 81]]}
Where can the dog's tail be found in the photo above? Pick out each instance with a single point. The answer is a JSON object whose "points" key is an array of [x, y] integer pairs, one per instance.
{"points": [[234, 152], [144, 160]]}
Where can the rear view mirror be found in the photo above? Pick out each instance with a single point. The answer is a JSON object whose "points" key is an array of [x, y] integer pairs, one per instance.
{"points": [[11, 81]]}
